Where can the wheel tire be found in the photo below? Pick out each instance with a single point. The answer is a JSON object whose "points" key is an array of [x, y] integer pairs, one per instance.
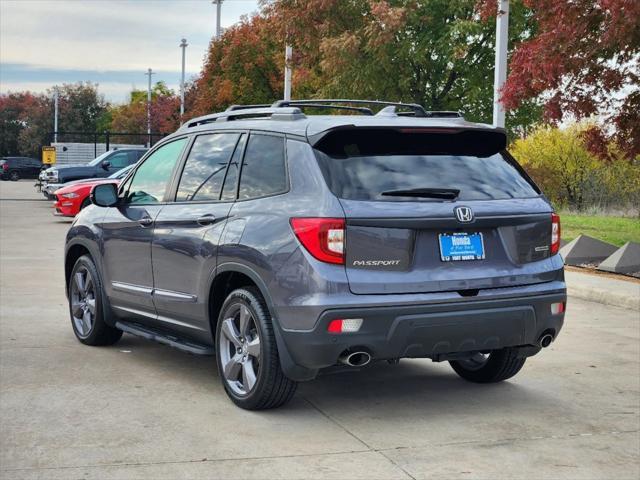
{"points": [[272, 388], [14, 176], [500, 365], [89, 326], [85, 203]]}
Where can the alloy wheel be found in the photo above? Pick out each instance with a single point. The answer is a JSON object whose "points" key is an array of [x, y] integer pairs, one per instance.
{"points": [[83, 302], [239, 347]]}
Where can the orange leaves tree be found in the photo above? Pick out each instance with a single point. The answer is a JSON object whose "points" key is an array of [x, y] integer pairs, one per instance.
{"points": [[244, 66]]}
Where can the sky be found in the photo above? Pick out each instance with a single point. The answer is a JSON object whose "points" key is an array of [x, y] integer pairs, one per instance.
{"points": [[109, 42]]}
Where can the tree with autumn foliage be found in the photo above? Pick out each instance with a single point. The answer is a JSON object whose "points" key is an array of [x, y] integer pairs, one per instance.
{"points": [[26, 119], [572, 176], [435, 52], [132, 117], [244, 66], [580, 60]]}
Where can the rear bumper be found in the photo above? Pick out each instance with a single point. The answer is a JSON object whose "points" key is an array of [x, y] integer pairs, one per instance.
{"points": [[428, 330]]}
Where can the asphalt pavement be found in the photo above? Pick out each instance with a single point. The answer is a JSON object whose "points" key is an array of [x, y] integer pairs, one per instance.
{"points": [[142, 410]]}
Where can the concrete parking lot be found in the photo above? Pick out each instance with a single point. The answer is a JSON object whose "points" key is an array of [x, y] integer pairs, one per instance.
{"points": [[141, 410]]}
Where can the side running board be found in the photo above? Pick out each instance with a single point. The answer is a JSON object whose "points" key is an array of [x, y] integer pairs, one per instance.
{"points": [[165, 338]]}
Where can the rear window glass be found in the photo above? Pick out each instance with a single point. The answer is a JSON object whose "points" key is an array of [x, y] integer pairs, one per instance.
{"points": [[355, 169]]}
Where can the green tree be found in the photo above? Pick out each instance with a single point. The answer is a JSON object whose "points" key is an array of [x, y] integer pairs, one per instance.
{"points": [[438, 53]]}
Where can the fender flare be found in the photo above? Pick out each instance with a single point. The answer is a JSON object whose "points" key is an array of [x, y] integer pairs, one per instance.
{"points": [[289, 367]]}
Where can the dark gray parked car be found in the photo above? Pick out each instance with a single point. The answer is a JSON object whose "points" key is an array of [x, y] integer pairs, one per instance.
{"points": [[15, 168], [102, 166], [286, 243]]}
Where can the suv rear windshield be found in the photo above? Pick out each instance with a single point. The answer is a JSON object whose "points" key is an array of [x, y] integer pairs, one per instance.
{"points": [[382, 167]]}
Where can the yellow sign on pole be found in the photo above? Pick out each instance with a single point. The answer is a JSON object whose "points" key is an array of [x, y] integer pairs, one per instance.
{"points": [[49, 155]]}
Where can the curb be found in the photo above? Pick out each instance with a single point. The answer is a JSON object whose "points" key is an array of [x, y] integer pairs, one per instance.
{"points": [[605, 297]]}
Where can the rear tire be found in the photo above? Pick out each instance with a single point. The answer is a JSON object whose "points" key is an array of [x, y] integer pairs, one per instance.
{"points": [[14, 176], [247, 354], [87, 305], [499, 365]]}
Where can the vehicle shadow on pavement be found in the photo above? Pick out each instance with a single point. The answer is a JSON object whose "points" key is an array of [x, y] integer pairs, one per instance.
{"points": [[418, 387]]}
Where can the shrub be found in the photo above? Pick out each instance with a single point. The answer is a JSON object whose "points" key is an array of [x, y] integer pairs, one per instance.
{"points": [[571, 176]]}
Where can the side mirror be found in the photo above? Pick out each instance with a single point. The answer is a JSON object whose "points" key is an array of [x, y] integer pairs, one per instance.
{"points": [[104, 195], [106, 164]]}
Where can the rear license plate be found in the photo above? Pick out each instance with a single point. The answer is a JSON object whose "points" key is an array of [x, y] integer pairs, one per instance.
{"points": [[456, 247]]}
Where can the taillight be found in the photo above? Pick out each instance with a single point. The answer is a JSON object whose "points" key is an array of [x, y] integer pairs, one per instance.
{"points": [[322, 237], [5, 166], [555, 233]]}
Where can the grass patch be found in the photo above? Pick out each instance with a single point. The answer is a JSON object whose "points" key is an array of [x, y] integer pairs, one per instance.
{"points": [[615, 230]]}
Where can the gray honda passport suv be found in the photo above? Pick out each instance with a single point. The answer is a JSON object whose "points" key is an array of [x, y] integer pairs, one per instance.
{"points": [[285, 243]]}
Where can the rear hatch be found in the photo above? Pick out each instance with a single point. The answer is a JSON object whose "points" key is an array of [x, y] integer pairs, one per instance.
{"points": [[432, 210]]}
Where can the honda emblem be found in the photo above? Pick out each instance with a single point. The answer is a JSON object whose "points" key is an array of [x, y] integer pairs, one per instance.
{"points": [[464, 214]]}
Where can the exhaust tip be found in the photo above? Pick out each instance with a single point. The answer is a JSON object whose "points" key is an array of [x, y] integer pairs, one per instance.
{"points": [[546, 340], [356, 359]]}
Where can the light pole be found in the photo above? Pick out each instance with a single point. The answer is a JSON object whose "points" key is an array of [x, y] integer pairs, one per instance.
{"points": [[500, 74], [149, 73], [183, 46], [288, 52], [55, 114], [218, 4]]}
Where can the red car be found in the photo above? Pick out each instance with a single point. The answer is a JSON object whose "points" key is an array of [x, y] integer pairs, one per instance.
{"points": [[73, 198]]}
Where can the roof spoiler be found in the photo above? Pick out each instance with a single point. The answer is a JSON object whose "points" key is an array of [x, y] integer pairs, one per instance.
{"points": [[350, 140]]}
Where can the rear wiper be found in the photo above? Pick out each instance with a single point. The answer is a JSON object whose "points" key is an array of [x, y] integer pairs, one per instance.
{"points": [[443, 193]]}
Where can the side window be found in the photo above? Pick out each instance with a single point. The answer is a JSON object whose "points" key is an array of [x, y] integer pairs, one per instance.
{"points": [[231, 179], [206, 165], [118, 160], [263, 170], [150, 181]]}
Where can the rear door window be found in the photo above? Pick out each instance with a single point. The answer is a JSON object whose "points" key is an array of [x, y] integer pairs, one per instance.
{"points": [[206, 166], [230, 187], [263, 168], [360, 167]]}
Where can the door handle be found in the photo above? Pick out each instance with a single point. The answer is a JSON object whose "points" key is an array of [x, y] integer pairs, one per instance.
{"points": [[206, 220], [146, 221]]}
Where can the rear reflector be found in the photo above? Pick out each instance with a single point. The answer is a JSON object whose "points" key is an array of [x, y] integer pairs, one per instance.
{"points": [[557, 308], [322, 237], [344, 325], [555, 233]]}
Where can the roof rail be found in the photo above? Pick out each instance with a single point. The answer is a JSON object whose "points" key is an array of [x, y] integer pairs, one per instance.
{"points": [[319, 104], [245, 107], [240, 113], [417, 110]]}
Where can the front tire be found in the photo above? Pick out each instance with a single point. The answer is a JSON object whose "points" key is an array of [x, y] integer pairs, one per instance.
{"points": [[87, 305], [247, 354], [496, 366]]}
